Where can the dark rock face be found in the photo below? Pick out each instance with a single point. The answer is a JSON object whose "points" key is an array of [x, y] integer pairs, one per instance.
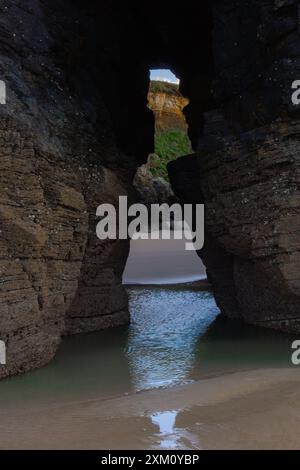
{"points": [[151, 189], [60, 158], [248, 164], [76, 127]]}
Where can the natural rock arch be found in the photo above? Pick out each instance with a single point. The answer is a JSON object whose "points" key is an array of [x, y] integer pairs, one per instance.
{"points": [[76, 127]]}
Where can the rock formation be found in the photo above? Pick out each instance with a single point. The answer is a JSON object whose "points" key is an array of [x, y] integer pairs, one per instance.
{"points": [[76, 127], [167, 104], [247, 168], [60, 157], [151, 189]]}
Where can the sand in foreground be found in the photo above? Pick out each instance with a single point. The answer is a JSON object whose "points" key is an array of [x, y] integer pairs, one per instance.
{"points": [[246, 410]]}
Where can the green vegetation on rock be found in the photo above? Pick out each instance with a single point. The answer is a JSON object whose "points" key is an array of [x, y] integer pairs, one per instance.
{"points": [[169, 145], [157, 86]]}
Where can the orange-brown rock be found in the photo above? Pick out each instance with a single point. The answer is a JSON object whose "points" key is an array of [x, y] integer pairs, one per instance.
{"points": [[167, 104]]}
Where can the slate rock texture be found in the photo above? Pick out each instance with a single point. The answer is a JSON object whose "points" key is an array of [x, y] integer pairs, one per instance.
{"points": [[76, 127], [248, 164], [57, 165]]}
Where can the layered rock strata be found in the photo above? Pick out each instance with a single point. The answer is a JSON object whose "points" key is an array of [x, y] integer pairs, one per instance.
{"points": [[75, 128], [247, 167]]}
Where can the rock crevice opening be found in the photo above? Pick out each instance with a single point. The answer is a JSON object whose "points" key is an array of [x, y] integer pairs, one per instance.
{"points": [[76, 127]]}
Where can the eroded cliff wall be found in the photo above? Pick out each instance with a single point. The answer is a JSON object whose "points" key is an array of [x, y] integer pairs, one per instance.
{"points": [[167, 104], [76, 126], [248, 164], [60, 157]]}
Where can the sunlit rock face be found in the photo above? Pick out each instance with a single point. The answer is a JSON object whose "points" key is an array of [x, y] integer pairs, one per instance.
{"points": [[167, 104], [76, 126]]}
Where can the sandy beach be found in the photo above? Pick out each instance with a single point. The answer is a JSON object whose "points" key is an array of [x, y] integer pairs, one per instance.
{"points": [[257, 409], [162, 262]]}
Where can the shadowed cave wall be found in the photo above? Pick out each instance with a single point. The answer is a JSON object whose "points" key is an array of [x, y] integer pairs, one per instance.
{"points": [[76, 126]]}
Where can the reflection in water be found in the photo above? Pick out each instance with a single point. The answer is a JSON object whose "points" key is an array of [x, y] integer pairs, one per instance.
{"points": [[166, 423], [173, 338], [165, 327], [170, 435]]}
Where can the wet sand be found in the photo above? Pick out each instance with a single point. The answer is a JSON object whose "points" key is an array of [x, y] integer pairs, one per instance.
{"points": [[257, 409]]}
